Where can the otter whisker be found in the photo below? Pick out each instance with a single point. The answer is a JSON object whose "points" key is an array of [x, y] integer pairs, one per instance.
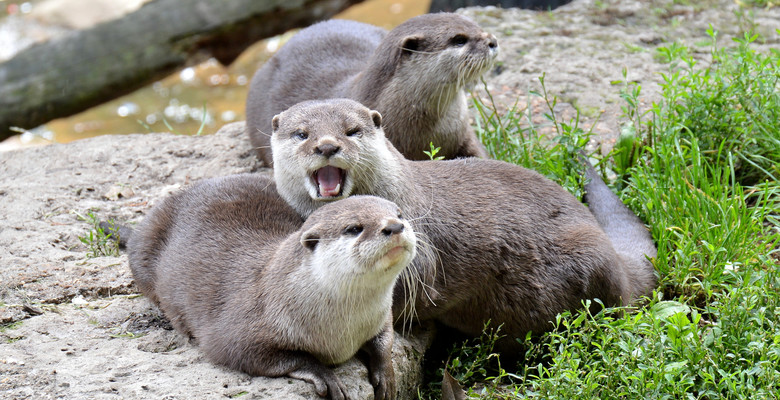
{"points": [[258, 130], [419, 51]]}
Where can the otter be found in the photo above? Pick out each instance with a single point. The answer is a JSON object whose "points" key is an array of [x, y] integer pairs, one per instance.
{"points": [[260, 291], [499, 242], [416, 75]]}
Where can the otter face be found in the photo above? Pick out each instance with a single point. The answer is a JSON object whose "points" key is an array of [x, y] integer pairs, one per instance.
{"points": [[463, 51], [363, 239], [322, 151]]}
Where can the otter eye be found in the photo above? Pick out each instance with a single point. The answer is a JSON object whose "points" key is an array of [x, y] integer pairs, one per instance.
{"points": [[399, 214], [459, 40], [354, 132], [300, 134], [353, 230]]}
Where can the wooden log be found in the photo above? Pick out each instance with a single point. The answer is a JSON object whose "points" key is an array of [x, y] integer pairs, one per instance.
{"points": [[70, 74]]}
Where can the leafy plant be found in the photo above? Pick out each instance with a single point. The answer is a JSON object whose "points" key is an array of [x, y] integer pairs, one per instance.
{"points": [[731, 107], [99, 242], [474, 365], [432, 153], [515, 138]]}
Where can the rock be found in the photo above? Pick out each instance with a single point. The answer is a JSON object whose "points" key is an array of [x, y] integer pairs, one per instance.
{"points": [[583, 47]]}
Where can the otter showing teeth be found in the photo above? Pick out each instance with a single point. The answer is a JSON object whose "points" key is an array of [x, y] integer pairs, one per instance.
{"points": [[501, 243], [328, 180]]}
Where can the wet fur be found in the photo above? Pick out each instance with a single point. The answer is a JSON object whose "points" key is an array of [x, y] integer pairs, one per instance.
{"points": [[413, 75], [505, 244], [234, 267]]}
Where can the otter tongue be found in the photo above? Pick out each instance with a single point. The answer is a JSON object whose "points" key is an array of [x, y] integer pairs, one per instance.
{"points": [[329, 181]]}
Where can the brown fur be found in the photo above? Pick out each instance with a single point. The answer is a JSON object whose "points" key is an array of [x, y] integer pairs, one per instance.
{"points": [[505, 244], [414, 75], [233, 266]]}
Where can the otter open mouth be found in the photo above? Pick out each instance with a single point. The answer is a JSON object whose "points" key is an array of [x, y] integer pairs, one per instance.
{"points": [[329, 181]]}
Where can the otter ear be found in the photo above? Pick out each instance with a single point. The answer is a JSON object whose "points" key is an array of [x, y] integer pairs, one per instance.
{"points": [[410, 44], [275, 122], [310, 238], [377, 118]]}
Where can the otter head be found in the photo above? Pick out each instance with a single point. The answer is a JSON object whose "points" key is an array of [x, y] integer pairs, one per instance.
{"points": [[326, 150], [452, 50], [361, 240]]}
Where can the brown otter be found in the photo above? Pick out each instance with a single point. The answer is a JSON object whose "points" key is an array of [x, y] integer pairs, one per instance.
{"points": [[234, 267], [505, 243], [414, 75]]}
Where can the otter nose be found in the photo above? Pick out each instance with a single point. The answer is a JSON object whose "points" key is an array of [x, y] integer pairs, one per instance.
{"points": [[327, 149], [492, 42], [393, 228]]}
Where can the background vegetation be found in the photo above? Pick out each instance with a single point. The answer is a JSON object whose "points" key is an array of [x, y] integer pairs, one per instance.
{"points": [[701, 168]]}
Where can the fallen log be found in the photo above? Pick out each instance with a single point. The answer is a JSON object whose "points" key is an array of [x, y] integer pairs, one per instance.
{"points": [[72, 73]]}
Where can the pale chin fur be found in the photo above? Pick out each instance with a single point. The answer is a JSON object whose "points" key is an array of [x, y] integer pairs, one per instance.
{"points": [[335, 271], [394, 266]]}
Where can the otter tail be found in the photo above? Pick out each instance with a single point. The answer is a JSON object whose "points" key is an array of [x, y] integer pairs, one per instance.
{"points": [[628, 234], [120, 233]]}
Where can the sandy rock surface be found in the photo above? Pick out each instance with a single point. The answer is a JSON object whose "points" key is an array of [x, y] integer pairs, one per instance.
{"points": [[74, 327], [583, 47]]}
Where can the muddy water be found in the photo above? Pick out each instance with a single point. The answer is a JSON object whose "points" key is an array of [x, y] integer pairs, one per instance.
{"points": [[204, 97]]}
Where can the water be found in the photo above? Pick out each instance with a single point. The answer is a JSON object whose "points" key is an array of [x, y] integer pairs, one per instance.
{"points": [[202, 98]]}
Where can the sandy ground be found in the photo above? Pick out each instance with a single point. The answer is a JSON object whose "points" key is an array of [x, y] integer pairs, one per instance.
{"points": [[74, 327]]}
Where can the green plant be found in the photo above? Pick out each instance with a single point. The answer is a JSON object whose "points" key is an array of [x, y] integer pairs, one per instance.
{"points": [[432, 153], [474, 365], [99, 242], [731, 107], [703, 174], [514, 138]]}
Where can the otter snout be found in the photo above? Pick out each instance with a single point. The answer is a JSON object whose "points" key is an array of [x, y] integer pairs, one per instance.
{"points": [[327, 150], [393, 228], [491, 40]]}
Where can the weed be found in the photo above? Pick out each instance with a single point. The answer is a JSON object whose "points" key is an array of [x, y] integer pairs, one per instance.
{"points": [[99, 242], [731, 107], [127, 335], [432, 153], [516, 139], [10, 326], [473, 364]]}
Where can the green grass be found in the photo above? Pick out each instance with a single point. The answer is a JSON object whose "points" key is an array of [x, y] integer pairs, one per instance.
{"points": [[701, 169]]}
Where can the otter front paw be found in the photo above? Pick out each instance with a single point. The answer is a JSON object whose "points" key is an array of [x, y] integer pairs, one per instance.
{"points": [[383, 380], [325, 382]]}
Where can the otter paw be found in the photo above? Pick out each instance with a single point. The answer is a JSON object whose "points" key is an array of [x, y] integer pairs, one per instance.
{"points": [[383, 381]]}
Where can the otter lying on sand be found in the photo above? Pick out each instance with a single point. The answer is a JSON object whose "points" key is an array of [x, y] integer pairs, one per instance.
{"points": [[499, 242], [233, 266]]}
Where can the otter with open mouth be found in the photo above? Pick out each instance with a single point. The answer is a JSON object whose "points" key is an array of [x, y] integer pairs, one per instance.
{"points": [[501, 243]]}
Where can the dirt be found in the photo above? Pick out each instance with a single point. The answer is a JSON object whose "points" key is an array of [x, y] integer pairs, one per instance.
{"points": [[75, 327]]}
